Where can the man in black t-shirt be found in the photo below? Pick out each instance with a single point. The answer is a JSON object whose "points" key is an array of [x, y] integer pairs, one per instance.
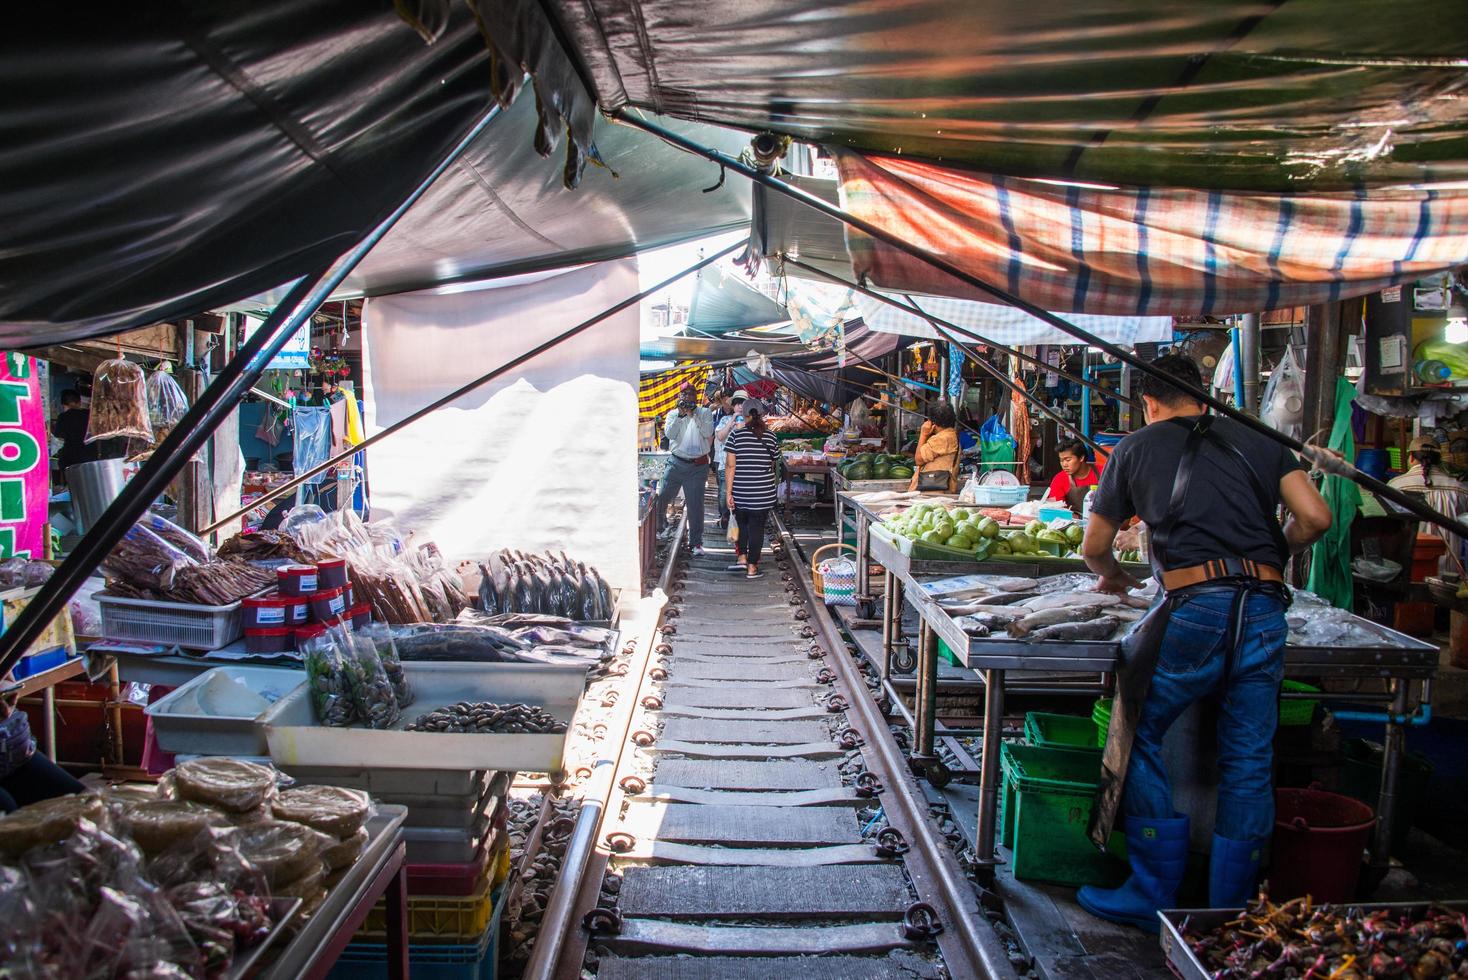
{"points": [[1221, 559], [70, 426]]}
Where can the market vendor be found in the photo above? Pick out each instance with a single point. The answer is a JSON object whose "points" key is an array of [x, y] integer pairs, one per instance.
{"points": [[1075, 476], [1441, 490], [689, 432], [1209, 489], [26, 776], [70, 426], [937, 451]]}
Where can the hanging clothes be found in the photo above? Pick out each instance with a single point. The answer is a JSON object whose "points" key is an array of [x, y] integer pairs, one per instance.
{"points": [[338, 411], [1330, 557], [312, 447]]}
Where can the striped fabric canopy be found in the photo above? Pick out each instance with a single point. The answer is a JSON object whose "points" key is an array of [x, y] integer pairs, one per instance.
{"points": [[1145, 251], [658, 393]]}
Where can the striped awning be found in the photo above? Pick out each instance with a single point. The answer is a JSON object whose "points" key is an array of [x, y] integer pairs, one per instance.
{"points": [[658, 393], [1137, 252]]}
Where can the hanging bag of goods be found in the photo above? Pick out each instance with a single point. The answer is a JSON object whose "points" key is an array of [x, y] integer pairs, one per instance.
{"points": [[119, 403], [167, 404]]}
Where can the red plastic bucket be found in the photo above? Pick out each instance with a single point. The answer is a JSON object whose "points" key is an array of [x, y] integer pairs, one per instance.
{"points": [[1318, 841]]}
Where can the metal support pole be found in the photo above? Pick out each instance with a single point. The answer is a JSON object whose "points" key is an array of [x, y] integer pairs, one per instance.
{"points": [[1410, 502], [989, 765], [863, 595], [1391, 768], [1249, 354], [212, 407], [925, 706], [1086, 401], [887, 629]]}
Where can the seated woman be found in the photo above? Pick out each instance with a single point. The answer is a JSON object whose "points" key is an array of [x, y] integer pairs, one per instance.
{"points": [[937, 452], [26, 776]]}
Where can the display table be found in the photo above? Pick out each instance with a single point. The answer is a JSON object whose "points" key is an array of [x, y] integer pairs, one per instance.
{"points": [[44, 684], [379, 872], [1400, 662], [156, 665], [791, 470]]}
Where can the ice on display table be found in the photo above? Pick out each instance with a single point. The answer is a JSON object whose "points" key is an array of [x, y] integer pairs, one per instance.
{"points": [[1313, 622]]}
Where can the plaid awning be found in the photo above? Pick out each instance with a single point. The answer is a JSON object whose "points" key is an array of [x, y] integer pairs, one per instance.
{"points": [[658, 393], [1146, 251]]}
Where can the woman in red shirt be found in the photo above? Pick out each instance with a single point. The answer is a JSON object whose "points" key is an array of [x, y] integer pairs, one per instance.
{"points": [[1076, 474]]}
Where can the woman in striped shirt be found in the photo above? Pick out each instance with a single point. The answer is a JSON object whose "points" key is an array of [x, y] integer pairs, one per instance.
{"points": [[751, 452]]}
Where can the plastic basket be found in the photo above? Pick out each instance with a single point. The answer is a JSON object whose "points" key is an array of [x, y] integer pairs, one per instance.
{"points": [[1053, 789], [170, 623], [1295, 713], [1059, 731], [440, 918], [476, 960], [1101, 716], [842, 592], [992, 496]]}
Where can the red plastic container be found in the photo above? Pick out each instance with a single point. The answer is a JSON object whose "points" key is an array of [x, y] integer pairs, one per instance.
{"points": [[304, 634], [1425, 553], [361, 615], [331, 573], [269, 611], [297, 580], [271, 639], [328, 605], [1319, 838]]}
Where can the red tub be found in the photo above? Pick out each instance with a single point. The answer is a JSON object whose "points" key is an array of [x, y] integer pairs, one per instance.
{"points": [[1319, 838]]}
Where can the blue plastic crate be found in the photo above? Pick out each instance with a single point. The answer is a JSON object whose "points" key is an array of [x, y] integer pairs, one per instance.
{"points": [[35, 663], [428, 961]]}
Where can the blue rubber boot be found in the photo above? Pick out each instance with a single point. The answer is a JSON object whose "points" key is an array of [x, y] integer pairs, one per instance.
{"points": [[1158, 852], [1233, 872]]}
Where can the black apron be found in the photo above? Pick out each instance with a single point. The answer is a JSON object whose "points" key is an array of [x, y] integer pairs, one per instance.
{"points": [[1140, 648]]}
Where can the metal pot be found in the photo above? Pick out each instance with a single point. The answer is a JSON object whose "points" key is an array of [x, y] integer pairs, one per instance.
{"points": [[93, 485]]}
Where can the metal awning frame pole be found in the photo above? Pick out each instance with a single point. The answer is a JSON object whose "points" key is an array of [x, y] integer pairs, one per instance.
{"points": [[483, 379], [211, 408], [1412, 503]]}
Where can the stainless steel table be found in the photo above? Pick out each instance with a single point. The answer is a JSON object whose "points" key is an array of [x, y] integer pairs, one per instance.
{"points": [[380, 871], [1404, 661]]}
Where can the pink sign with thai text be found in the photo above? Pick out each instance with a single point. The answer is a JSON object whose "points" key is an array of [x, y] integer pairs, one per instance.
{"points": [[25, 461]]}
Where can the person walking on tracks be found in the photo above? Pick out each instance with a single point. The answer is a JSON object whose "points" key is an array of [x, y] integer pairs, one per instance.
{"points": [[751, 455], [690, 435], [1209, 489]]}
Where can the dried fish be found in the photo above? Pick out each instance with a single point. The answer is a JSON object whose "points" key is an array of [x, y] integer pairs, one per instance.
{"points": [[487, 717]]}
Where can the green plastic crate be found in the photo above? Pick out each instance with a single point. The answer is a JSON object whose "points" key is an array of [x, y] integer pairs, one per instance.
{"points": [[1004, 820], [1050, 808], [1294, 714], [1101, 717], [1074, 731]]}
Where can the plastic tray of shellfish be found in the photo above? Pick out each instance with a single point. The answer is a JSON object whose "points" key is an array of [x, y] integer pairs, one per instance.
{"points": [[1182, 927], [536, 703]]}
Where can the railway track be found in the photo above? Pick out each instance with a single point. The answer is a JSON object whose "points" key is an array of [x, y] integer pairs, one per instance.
{"points": [[757, 822]]}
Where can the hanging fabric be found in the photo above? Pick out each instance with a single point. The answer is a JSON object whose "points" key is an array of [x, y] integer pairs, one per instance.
{"points": [[1330, 557], [955, 370], [311, 425]]}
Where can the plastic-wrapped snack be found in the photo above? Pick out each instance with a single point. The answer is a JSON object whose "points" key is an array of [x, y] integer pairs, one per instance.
{"points": [[345, 852], [160, 824], [119, 402], [332, 810], [167, 403], [372, 692], [127, 794], [381, 638], [187, 542], [302, 887], [335, 876], [282, 851], [331, 692], [230, 784], [48, 822], [220, 918], [144, 560]]}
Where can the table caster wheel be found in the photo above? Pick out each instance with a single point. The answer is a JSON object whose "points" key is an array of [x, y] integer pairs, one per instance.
{"points": [[937, 774]]}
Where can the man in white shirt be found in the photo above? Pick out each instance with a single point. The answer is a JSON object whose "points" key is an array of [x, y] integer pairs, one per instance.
{"points": [[689, 432], [730, 417]]}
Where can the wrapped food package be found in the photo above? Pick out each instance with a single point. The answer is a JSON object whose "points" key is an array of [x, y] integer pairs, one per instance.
{"points": [[48, 822], [326, 673], [119, 402], [230, 784], [159, 824], [167, 403], [373, 697], [332, 810], [282, 851], [344, 853], [303, 887], [144, 560], [382, 640]]}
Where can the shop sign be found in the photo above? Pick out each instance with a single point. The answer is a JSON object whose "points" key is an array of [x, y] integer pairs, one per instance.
{"points": [[295, 355], [25, 463]]}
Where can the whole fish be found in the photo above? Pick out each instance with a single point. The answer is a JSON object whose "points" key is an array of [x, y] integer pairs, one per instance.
{"points": [[974, 627], [1100, 628], [1058, 600], [489, 600], [993, 622], [520, 580], [1010, 613], [1051, 617]]}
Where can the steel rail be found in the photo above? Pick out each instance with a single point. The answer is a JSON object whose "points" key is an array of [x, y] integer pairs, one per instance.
{"points": [[478, 382], [560, 945], [1327, 461], [969, 946]]}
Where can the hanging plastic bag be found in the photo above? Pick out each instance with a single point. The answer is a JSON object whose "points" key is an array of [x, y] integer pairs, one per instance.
{"points": [[996, 445], [312, 447], [119, 402], [1283, 405], [167, 403]]}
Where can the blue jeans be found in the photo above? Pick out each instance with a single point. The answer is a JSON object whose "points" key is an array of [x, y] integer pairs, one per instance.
{"points": [[1192, 665], [723, 494], [690, 479]]}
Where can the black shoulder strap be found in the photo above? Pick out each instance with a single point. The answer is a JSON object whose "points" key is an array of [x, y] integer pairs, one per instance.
{"points": [[1161, 532], [1266, 502]]}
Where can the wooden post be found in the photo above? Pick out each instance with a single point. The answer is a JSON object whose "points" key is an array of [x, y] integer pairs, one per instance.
{"points": [[1324, 361]]}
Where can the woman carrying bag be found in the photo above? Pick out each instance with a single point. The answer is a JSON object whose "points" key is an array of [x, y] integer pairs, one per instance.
{"points": [[937, 452], [752, 453]]}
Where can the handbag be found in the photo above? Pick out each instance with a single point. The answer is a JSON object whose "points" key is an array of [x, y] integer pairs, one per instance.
{"points": [[16, 744], [934, 479]]}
